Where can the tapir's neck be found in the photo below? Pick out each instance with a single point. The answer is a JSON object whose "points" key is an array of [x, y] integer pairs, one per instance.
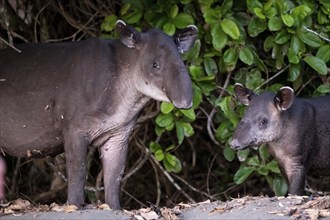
{"points": [[120, 103]]}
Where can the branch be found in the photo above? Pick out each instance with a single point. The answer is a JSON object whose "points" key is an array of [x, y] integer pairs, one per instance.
{"points": [[317, 34]]}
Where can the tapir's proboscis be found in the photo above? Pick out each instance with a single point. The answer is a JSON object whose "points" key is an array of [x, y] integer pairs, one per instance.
{"points": [[297, 131], [59, 97]]}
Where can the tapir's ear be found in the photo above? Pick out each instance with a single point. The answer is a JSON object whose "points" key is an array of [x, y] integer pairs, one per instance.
{"points": [[243, 94], [128, 35], [185, 39], [284, 98]]}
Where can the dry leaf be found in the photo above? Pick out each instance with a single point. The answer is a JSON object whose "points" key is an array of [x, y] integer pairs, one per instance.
{"points": [[19, 205], [168, 214], [149, 215], [104, 207], [70, 208]]}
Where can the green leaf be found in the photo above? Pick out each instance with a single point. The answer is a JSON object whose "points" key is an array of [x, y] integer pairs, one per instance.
{"points": [[280, 187], [229, 153], [183, 20], [253, 161], [287, 19], [263, 152], [188, 129], [324, 88], [273, 166], [154, 146], [171, 147], [170, 158], [301, 11], [295, 44], [169, 28], [159, 155], [282, 37], [166, 107], [256, 26], [294, 72], [179, 131], [198, 96], [310, 39], [133, 17], [243, 154], [242, 174], [210, 66], [246, 56], [317, 64], [252, 4], [174, 11], [230, 56], [159, 130], [293, 57], [269, 43], [219, 37], [275, 24], [189, 113], [230, 28], [164, 120], [324, 53], [259, 13], [172, 163], [109, 23]]}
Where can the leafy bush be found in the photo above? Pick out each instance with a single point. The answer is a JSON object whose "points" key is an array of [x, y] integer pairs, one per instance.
{"points": [[256, 43]]}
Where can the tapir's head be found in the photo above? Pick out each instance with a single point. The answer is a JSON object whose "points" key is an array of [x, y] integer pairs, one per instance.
{"points": [[263, 120], [159, 71]]}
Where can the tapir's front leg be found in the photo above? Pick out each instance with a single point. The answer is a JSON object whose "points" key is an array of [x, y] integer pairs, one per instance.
{"points": [[76, 158], [113, 155], [296, 176]]}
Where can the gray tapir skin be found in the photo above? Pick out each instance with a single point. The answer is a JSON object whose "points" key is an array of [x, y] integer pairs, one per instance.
{"points": [[296, 130], [67, 96]]}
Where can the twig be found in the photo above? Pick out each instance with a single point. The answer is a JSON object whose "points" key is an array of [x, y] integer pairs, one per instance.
{"points": [[159, 190], [210, 116], [193, 188], [209, 171], [168, 176], [305, 84], [130, 195], [319, 35], [8, 44], [137, 165], [14, 179], [36, 21], [271, 78]]}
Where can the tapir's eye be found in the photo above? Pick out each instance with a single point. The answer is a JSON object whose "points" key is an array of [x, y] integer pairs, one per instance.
{"points": [[263, 123], [155, 65]]}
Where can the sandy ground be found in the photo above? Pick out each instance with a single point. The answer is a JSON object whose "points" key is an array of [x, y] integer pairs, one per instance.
{"points": [[242, 208]]}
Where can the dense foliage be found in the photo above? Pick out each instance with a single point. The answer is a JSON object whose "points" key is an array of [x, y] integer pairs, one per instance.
{"points": [[261, 44]]}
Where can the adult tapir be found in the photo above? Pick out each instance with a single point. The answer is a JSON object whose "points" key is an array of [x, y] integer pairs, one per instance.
{"points": [[67, 96], [297, 132]]}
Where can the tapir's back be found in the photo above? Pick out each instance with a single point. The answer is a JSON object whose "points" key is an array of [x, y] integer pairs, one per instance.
{"points": [[34, 85], [29, 81]]}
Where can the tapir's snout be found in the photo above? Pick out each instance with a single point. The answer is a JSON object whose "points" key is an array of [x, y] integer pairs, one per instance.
{"points": [[184, 104], [236, 145]]}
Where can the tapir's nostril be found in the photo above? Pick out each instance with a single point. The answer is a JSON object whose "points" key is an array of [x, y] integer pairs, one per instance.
{"points": [[234, 144]]}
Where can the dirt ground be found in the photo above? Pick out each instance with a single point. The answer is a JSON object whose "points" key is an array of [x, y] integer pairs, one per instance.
{"points": [[294, 207]]}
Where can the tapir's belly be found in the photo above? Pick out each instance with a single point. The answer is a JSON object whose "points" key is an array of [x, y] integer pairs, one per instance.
{"points": [[28, 126]]}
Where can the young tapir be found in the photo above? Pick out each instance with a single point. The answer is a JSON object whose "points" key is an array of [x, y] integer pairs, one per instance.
{"points": [[67, 96], [296, 130]]}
